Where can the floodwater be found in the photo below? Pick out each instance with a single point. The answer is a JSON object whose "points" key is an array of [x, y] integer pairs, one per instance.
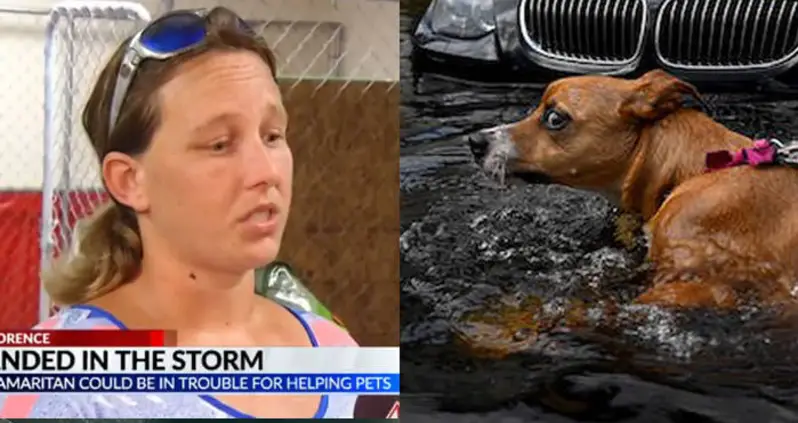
{"points": [[491, 277]]}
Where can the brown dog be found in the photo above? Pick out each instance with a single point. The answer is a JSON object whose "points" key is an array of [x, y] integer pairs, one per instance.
{"points": [[717, 238]]}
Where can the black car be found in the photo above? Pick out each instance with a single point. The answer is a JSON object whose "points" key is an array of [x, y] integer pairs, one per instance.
{"points": [[699, 40]]}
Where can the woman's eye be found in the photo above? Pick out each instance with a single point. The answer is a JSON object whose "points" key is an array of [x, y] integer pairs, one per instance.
{"points": [[220, 146], [273, 138], [554, 120]]}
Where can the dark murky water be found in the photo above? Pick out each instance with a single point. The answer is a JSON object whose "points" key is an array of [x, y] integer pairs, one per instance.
{"points": [[510, 264]]}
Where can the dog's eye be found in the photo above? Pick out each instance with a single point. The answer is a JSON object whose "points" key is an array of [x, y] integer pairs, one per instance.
{"points": [[554, 120]]}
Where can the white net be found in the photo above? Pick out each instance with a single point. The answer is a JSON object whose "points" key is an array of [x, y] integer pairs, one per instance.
{"points": [[80, 37], [49, 176], [21, 168]]}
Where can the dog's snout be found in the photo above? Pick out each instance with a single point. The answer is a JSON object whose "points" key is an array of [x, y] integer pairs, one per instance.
{"points": [[479, 143]]}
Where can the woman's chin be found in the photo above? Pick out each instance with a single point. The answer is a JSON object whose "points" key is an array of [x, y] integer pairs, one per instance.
{"points": [[262, 253]]}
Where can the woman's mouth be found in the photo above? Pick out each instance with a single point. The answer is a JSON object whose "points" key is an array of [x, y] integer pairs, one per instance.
{"points": [[262, 219]]}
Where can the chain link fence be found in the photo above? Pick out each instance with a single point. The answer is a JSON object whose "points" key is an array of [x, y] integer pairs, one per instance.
{"points": [[334, 57]]}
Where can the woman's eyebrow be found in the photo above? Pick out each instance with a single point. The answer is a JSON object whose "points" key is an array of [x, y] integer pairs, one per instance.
{"points": [[213, 121]]}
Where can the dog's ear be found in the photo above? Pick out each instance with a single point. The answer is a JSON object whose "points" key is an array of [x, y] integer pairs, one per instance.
{"points": [[655, 95]]}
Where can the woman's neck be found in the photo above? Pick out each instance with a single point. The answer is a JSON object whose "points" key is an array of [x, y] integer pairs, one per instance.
{"points": [[180, 297]]}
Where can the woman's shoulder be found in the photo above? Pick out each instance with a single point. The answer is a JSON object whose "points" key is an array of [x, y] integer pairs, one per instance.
{"points": [[80, 317], [323, 332]]}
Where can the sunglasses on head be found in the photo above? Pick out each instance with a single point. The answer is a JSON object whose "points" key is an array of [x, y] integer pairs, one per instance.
{"points": [[166, 37]]}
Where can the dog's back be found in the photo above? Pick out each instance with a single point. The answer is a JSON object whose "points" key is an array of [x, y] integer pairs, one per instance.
{"points": [[736, 227]]}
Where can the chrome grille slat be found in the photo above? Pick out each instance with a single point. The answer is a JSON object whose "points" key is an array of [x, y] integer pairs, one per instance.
{"points": [[779, 21], [549, 28], [791, 15], [671, 37], [723, 24], [733, 30], [597, 28], [767, 30], [572, 13], [640, 13], [584, 38], [704, 26], [616, 20], [539, 16], [715, 10], [544, 28], [690, 29], [761, 37], [726, 34], [625, 28], [680, 46], [743, 35], [552, 18], [590, 29], [597, 35], [605, 17], [562, 7]]}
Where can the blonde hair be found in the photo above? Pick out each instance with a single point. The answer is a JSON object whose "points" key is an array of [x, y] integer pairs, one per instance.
{"points": [[109, 249]]}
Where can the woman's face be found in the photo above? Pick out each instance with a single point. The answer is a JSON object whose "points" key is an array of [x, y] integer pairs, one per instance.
{"points": [[218, 173]]}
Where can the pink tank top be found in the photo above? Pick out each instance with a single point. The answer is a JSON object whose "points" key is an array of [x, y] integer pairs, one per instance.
{"points": [[322, 333]]}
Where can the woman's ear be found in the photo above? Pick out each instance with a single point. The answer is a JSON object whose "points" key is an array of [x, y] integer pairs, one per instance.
{"points": [[124, 177]]}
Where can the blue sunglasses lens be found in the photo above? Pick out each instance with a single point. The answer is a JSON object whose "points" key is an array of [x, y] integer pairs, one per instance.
{"points": [[174, 33]]}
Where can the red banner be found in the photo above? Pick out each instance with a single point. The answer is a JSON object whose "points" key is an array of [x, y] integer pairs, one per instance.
{"points": [[86, 338]]}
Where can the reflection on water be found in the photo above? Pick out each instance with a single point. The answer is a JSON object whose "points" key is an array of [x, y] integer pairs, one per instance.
{"points": [[514, 299]]}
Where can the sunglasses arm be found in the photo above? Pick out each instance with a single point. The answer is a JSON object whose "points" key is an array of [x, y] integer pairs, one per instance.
{"points": [[124, 78]]}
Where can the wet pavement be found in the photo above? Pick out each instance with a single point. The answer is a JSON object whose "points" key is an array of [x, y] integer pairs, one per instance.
{"points": [[515, 299]]}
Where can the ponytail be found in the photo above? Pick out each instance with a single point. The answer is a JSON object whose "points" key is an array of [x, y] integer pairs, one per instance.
{"points": [[107, 255]]}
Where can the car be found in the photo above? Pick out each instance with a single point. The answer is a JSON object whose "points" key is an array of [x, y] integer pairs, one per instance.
{"points": [[697, 40]]}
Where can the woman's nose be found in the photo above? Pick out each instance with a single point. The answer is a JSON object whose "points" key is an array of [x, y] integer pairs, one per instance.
{"points": [[259, 165]]}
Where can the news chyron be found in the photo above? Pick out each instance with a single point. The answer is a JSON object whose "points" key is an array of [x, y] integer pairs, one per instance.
{"points": [[123, 362]]}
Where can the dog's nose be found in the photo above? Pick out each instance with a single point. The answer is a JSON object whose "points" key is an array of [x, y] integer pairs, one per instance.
{"points": [[478, 143]]}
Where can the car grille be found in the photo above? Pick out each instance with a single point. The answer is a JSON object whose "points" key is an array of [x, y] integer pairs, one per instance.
{"points": [[589, 32], [726, 34]]}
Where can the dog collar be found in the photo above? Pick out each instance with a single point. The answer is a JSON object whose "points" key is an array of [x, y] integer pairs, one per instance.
{"points": [[762, 153]]}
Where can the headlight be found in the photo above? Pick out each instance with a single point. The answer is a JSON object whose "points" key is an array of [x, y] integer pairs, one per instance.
{"points": [[463, 18]]}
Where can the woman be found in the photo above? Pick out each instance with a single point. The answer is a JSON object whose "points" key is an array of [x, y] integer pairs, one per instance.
{"points": [[190, 131]]}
